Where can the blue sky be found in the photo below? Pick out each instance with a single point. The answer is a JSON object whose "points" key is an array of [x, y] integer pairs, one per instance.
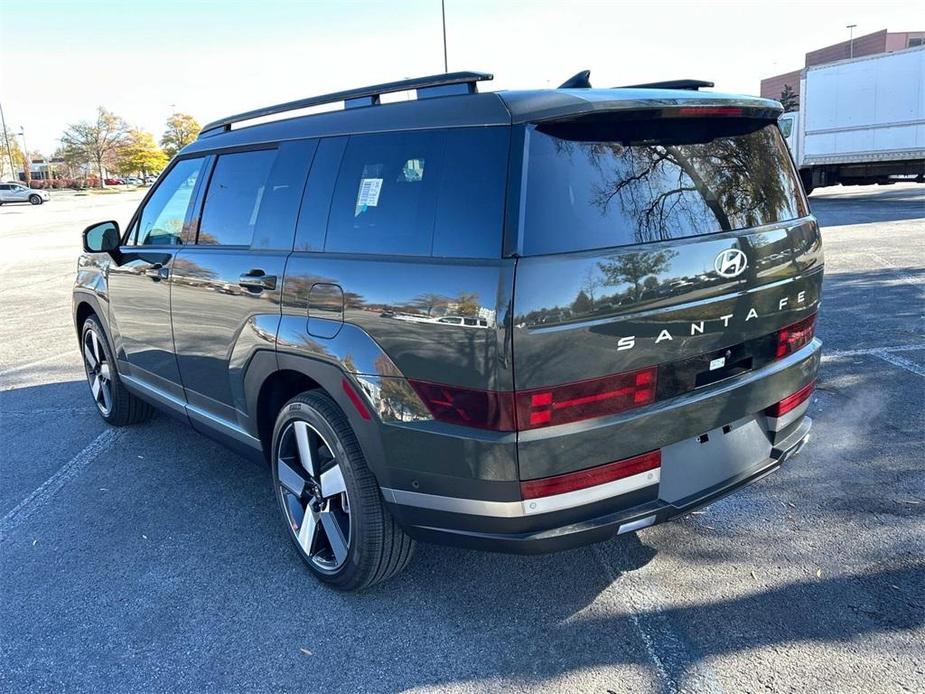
{"points": [[144, 59]]}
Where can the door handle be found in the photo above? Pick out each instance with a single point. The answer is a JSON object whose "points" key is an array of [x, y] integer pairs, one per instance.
{"points": [[257, 280], [157, 272]]}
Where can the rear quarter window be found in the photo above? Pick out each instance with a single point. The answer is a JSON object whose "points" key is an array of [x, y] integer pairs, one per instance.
{"points": [[601, 185], [434, 193]]}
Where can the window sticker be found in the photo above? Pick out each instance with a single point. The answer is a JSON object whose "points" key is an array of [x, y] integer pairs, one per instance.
{"points": [[368, 194], [412, 171]]}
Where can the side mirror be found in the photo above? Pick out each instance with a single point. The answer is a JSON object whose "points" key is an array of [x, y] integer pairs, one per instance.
{"points": [[103, 237]]}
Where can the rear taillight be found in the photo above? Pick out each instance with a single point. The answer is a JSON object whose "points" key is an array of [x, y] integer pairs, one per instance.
{"points": [[572, 481], [484, 409], [791, 402], [585, 399], [795, 336]]}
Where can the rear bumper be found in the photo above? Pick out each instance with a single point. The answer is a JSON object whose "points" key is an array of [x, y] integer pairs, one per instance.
{"points": [[552, 532]]}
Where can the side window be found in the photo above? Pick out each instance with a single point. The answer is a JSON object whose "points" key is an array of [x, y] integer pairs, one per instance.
{"points": [[282, 199], [234, 198], [161, 220], [386, 194], [470, 208]]}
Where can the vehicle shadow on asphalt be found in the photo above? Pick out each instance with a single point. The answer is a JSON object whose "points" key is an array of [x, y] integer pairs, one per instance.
{"points": [[454, 616], [876, 206], [871, 308]]}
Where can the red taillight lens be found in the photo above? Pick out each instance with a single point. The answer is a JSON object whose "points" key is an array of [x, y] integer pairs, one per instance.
{"points": [[791, 401], [533, 489], [472, 408], [586, 399], [791, 338]]}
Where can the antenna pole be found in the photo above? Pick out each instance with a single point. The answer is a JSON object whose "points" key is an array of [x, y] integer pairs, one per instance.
{"points": [[443, 16], [6, 140]]}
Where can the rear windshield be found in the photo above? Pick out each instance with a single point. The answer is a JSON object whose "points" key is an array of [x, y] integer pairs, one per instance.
{"points": [[597, 184]]}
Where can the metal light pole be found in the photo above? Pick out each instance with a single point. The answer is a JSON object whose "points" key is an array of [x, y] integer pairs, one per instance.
{"points": [[850, 28], [26, 159], [443, 16], [6, 141]]}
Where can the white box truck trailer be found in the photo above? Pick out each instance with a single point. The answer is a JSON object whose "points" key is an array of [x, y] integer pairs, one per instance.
{"points": [[860, 121]]}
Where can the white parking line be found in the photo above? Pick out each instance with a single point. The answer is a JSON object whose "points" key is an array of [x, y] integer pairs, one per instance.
{"points": [[677, 667], [41, 496], [877, 351], [901, 362]]}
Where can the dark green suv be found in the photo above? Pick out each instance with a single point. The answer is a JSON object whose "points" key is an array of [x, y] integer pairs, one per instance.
{"points": [[518, 321]]}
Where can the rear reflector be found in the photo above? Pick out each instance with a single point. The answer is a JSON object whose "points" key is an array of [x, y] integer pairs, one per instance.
{"points": [[355, 399], [570, 482], [484, 409], [585, 399], [791, 402], [795, 336]]}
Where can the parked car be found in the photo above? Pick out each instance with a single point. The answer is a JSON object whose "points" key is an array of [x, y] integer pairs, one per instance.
{"points": [[113, 181], [610, 388], [133, 181], [150, 180], [17, 192]]}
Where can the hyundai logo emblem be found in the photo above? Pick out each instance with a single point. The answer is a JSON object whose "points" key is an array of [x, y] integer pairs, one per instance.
{"points": [[730, 263]]}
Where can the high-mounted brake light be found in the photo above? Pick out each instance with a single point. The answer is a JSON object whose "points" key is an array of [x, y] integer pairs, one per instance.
{"points": [[704, 111], [791, 402], [585, 399], [793, 337], [572, 481]]}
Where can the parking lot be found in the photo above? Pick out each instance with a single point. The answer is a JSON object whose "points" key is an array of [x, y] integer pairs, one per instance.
{"points": [[151, 559]]}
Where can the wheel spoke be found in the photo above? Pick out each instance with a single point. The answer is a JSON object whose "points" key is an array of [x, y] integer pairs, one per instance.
{"points": [[332, 482], [307, 531], [290, 478], [335, 535], [107, 396], [104, 371], [96, 346], [95, 387], [90, 357], [308, 456]]}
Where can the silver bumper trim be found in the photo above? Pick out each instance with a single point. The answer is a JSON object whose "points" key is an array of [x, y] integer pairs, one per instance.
{"points": [[529, 507]]}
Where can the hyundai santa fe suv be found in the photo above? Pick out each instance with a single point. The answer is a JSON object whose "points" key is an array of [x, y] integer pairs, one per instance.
{"points": [[518, 321]]}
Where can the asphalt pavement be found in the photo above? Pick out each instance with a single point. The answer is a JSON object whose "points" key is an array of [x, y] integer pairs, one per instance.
{"points": [[150, 559]]}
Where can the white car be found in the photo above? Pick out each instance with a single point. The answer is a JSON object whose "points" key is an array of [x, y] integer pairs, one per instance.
{"points": [[17, 192]]}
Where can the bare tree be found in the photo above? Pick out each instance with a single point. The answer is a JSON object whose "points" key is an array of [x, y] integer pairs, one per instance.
{"points": [[97, 142]]}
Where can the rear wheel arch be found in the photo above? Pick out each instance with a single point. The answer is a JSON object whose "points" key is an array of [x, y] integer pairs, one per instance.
{"points": [[275, 391], [297, 374]]}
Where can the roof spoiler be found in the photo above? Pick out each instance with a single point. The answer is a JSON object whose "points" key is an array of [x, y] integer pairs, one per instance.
{"points": [[689, 85], [432, 85]]}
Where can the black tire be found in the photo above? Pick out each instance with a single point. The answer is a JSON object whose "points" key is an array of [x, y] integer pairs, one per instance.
{"points": [[376, 547], [35, 199], [123, 408]]}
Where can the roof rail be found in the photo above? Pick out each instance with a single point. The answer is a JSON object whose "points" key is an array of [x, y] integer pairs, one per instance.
{"points": [[691, 85], [432, 85]]}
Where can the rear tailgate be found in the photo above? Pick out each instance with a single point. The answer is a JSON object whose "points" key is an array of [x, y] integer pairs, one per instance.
{"points": [[669, 249]]}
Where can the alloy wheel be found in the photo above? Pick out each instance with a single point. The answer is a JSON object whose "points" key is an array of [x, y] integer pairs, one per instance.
{"points": [[314, 496], [99, 372]]}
